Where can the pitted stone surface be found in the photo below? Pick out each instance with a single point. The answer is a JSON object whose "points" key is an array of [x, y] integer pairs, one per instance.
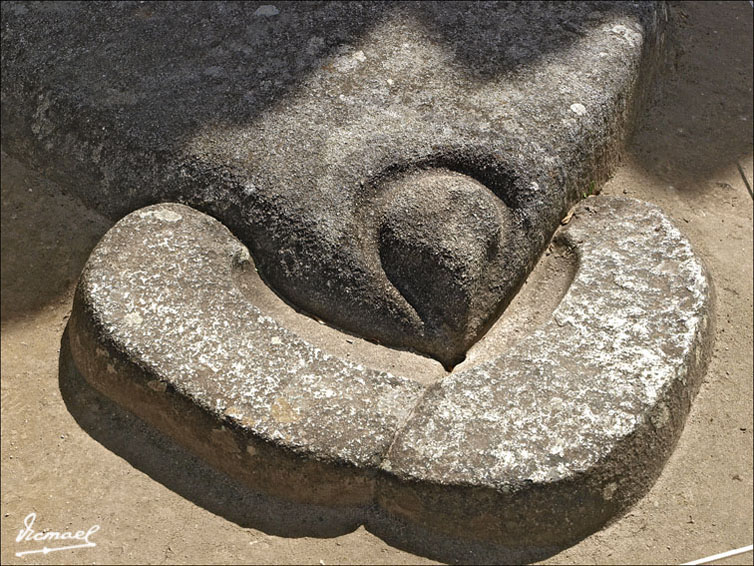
{"points": [[159, 287], [579, 413], [538, 446], [609, 352], [288, 122]]}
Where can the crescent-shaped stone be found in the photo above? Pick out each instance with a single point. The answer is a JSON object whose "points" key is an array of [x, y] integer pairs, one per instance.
{"points": [[537, 445]]}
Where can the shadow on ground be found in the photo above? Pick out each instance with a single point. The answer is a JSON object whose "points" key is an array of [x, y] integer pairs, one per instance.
{"points": [[46, 240], [698, 94], [156, 455]]}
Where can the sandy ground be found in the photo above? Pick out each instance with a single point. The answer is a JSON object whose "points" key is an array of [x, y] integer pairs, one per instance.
{"points": [[76, 461]]}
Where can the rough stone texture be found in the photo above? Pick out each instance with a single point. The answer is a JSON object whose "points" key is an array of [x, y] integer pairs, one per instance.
{"points": [[536, 446], [290, 124], [160, 324], [559, 433], [446, 244]]}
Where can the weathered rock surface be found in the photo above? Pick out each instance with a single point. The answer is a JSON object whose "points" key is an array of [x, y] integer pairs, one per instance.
{"points": [[290, 124], [160, 325], [535, 446], [551, 438], [396, 170], [446, 242]]}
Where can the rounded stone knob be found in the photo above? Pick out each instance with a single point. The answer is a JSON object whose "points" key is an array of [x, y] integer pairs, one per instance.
{"points": [[439, 232]]}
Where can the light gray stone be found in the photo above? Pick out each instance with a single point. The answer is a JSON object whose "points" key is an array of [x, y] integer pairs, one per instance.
{"points": [[552, 437], [161, 324], [535, 446]]}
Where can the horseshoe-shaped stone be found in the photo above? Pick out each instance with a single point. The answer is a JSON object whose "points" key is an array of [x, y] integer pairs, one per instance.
{"points": [[301, 129], [537, 445]]}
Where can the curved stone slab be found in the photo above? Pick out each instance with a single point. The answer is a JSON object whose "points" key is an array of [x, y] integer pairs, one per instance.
{"points": [[537, 446], [160, 325], [548, 440], [290, 126]]}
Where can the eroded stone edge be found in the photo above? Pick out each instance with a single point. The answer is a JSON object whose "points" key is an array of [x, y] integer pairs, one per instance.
{"points": [[107, 351], [518, 512]]}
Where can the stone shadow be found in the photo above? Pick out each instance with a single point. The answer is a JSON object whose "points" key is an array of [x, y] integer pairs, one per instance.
{"points": [[47, 237], [163, 460], [701, 118], [119, 90]]}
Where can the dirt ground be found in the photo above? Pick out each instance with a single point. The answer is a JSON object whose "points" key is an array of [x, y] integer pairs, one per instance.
{"points": [[73, 460]]}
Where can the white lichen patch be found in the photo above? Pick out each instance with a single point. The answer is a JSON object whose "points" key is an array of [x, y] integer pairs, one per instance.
{"points": [[348, 61], [133, 319], [267, 10], [633, 37], [578, 109], [159, 214]]}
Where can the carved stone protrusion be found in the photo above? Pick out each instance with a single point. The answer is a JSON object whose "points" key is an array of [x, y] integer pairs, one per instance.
{"points": [[441, 241]]}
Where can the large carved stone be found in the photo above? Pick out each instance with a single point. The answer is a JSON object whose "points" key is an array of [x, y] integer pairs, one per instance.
{"points": [[395, 171], [533, 445], [291, 125]]}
